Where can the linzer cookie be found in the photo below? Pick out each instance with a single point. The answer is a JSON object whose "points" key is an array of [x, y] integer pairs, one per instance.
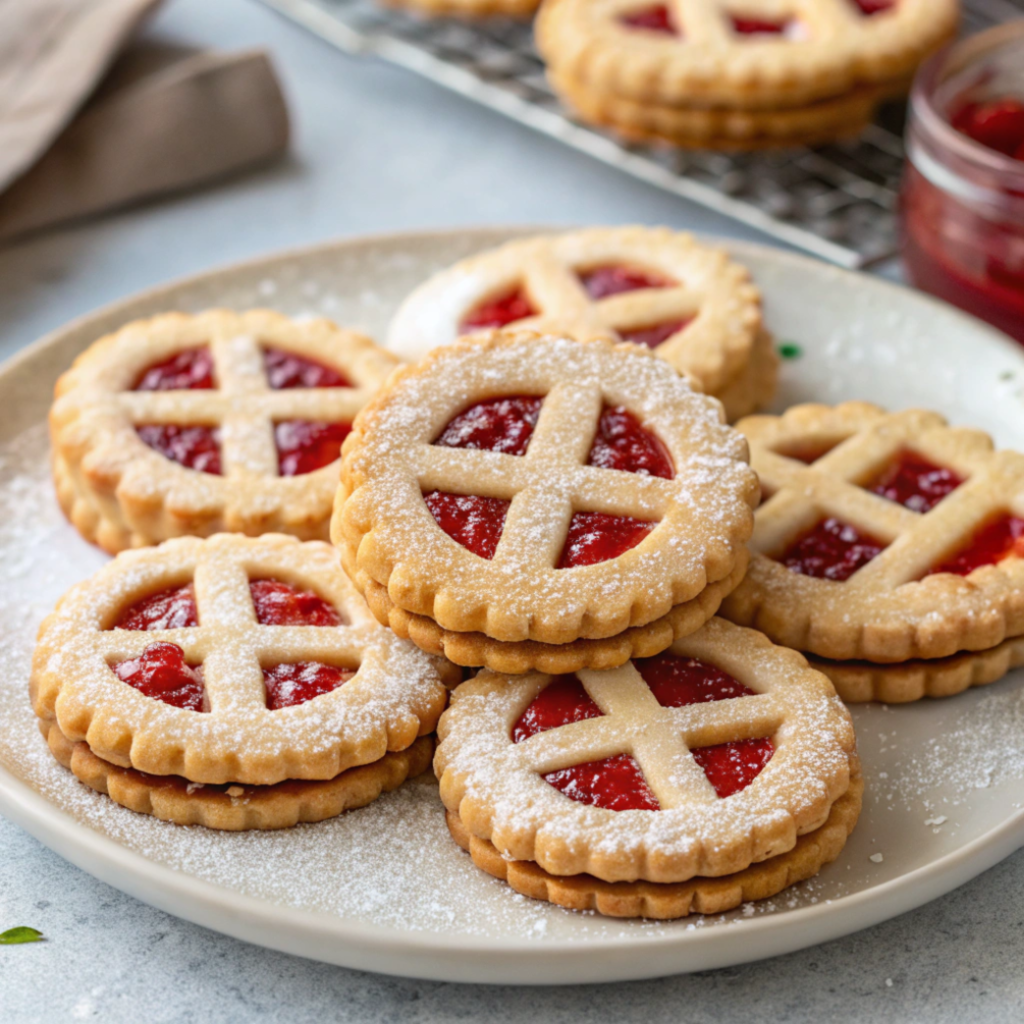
{"points": [[688, 302], [720, 771], [535, 490], [714, 75], [197, 424], [889, 548], [233, 682]]}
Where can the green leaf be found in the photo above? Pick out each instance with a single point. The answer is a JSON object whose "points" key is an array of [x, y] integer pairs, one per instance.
{"points": [[16, 936], [790, 350]]}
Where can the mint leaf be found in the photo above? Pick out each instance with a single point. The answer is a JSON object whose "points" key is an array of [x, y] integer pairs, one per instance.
{"points": [[790, 350], [16, 936]]}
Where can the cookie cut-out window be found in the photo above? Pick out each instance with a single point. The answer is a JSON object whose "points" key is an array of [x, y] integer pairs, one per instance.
{"points": [[162, 673], [913, 481], [286, 370], [499, 310], [831, 550], [172, 608]]}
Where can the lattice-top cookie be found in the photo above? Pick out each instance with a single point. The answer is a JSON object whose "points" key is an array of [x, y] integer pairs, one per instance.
{"points": [[532, 487], [758, 54], [884, 537], [656, 287], [221, 421], [701, 761], [231, 660]]}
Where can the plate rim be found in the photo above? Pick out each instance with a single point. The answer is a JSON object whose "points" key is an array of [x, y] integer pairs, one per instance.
{"points": [[467, 958]]}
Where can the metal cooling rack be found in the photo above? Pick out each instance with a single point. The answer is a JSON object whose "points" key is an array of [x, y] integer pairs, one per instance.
{"points": [[836, 201]]}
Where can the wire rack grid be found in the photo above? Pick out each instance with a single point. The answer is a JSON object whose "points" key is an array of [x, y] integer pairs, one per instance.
{"points": [[836, 201]]}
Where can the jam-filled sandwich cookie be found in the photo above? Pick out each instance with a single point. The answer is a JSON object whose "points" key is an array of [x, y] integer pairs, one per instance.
{"points": [[889, 548], [658, 288], [197, 424], [721, 771], [519, 500], [236, 683], [721, 75]]}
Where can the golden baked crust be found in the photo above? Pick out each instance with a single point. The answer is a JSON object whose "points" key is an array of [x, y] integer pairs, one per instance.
{"points": [[471, 9], [496, 788], [395, 695], [236, 808], [756, 384], [667, 901], [860, 681], [119, 493], [889, 611], [711, 65], [713, 349], [475, 650], [703, 513]]}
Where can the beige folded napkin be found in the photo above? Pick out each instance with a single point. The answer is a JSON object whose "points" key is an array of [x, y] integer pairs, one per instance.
{"points": [[76, 140]]}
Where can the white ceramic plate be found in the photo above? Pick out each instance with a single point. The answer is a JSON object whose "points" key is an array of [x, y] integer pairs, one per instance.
{"points": [[384, 888]]}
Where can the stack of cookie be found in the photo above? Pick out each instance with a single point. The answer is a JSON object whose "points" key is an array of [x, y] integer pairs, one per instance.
{"points": [[883, 551], [689, 303], [724, 75], [521, 501]]}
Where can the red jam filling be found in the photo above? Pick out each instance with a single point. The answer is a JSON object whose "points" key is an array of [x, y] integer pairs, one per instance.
{"points": [[499, 311], [495, 425], [604, 282], [288, 370], [161, 672], [597, 537], [915, 482], [615, 783], [676, 682], [654, 336], [304, 446], [758, 26], [169, 609], [188, 370], [869, 8], [997, 124], [195, 448], [657, 18], [832, 550], [281, 604], [991, 544], [473, 521], [622, 443], [287, 685]]}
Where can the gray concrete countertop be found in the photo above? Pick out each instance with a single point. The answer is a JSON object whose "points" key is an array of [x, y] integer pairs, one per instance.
{"points": [[378, 150]]}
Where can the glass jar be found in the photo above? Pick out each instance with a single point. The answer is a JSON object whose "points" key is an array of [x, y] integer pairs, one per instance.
{"points": [[962, 204]]}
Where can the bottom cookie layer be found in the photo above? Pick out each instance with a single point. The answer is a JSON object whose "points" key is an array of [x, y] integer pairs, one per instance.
{"points": [[476, 650], [754, 386], [857, 682], [236, 808], [667, 901]]}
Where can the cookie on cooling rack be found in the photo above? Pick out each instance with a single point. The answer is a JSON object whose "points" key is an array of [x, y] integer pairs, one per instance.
{"points": [[889, 549], [220, 421], [235, 682]]}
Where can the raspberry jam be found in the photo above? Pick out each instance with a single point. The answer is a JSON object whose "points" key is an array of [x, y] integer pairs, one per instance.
{"points": [[288, 685], [498, 311], [962, 201], [654, 336], [288, 370], [758, 27], [614, 783], [195, 448], [169, 609], [474, 521], [657, 18], [914, 482], [869, 8], [622, 443], [281, 604], [604, 282], [304, 446], [496, 425], [991, 544], [191, 369], [617, 783], [161, 672], [832, 550], [596, 537]]}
